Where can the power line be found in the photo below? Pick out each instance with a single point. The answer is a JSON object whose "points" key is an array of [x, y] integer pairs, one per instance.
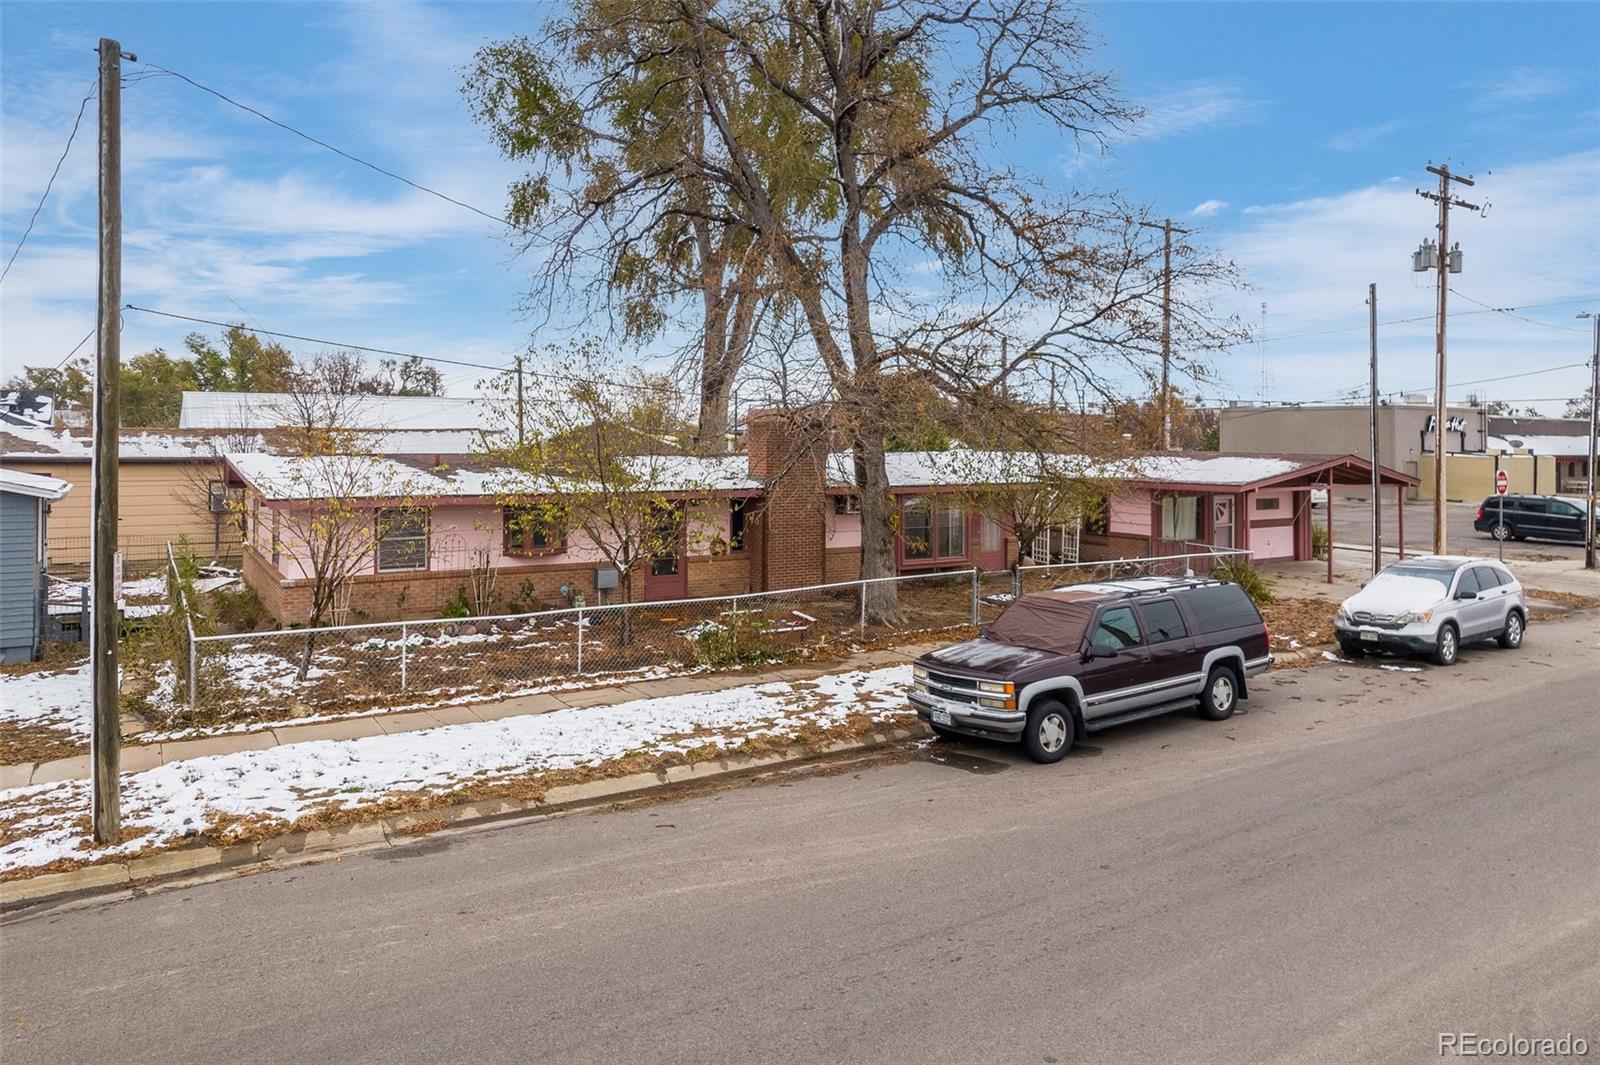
{"points": [[333, 148], [51, 183], [1509, 312], [75, 348], [543, 374]]}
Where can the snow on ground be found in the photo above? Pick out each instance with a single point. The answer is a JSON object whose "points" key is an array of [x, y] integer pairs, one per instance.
{"points": [[42, 823], [58, 698]]}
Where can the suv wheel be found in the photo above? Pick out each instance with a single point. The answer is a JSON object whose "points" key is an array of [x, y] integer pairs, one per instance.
{"points": [[1048, 735], [1220, 695], [1501, 532], [1511, 635], [1449, 645]]}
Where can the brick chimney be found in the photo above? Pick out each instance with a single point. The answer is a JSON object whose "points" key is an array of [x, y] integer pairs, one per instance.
{"points": [[787, 451]]}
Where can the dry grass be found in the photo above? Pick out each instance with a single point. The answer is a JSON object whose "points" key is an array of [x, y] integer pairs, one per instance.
{"points": [[27, 744], [1302, 622]]}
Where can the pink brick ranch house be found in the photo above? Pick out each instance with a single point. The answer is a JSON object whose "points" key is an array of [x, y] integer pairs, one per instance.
{"points": [[773, 517]]}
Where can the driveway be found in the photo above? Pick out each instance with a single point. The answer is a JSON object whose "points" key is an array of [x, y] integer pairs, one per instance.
{"points": [[1352, 524]]}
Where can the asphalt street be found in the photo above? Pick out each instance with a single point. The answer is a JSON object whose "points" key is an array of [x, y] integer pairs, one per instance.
{"points": [[1369, 857]]}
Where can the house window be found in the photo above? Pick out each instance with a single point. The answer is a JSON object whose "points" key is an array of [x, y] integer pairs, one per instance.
{"points": [[1267, 502], [529, 533], [277, 543], [952, 532], [402, 540], [991, 535], [932, 530], [736, 518], [846, 505], [917, 528], [1180, 518]]}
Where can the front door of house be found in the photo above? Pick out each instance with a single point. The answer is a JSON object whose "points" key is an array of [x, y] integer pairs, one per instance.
{"points": [[1222, 521], [668, 574]]}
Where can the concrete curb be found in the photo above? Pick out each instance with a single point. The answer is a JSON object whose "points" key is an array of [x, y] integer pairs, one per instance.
{"points": [[389, 831]]}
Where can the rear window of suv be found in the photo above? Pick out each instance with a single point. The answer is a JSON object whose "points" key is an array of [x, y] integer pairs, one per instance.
{"points": [[1221, 606]]}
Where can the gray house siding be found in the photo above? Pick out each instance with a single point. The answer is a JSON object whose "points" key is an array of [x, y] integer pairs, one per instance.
{"points": [[20, 576]]}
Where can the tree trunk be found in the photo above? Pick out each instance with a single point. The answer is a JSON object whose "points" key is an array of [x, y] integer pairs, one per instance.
{"points": [[877, 525]]}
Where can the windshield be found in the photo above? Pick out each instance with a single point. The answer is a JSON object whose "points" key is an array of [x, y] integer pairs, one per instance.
{"points": [[1441, 577]]}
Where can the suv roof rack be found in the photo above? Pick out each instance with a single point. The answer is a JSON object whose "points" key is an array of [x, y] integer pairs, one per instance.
{"points": [[1174, 584]]}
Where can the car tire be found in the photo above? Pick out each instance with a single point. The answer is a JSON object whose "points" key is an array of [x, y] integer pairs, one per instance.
{"points": [[1049, 732], [1351, 649], [1220, 696], [1501, 532], [1511, 636], [1448, 647]]}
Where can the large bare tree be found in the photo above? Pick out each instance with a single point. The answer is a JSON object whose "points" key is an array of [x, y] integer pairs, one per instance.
{"points": [[860, 146]]}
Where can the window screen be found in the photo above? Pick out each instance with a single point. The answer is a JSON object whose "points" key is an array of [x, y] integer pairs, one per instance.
{"points": [[402, 539]]}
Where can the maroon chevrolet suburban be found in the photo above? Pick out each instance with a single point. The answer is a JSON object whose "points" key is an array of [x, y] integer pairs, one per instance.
{"points": [[1056, 665]]}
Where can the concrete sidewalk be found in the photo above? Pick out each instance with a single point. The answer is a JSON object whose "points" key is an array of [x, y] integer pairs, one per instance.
{"points": [[139, 757]]}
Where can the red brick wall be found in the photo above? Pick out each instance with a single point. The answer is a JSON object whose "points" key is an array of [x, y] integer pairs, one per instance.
{"points": [[842, 564], [726, 574], [790, 454]]}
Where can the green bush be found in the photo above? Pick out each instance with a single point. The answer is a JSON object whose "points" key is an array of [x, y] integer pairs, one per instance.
{"points": [[457, 607], [1239, 570], [1319, 540], [741, 639], [237, 608]]}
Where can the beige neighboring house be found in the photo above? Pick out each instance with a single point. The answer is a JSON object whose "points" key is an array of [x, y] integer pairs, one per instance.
{"points": [[171, 485]]}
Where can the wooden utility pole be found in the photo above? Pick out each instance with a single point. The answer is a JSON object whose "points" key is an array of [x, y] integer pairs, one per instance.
{"points": [[1445, 201], [1594, 444], [1164, 397], [1372, 369], [105, 741], [521, 432]]}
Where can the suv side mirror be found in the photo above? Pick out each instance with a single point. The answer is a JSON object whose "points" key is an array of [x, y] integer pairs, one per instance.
{"points": [[1466, 595]]}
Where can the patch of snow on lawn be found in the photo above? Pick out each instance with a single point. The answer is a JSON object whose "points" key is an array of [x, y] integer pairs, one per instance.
{"points": [[58, 698], [288, 782]]}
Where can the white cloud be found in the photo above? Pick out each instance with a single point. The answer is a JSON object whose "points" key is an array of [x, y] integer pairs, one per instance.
{"points": [[1522, 85], [1208, 208], [1194, 106], [1312, 260], [1363, 137]]}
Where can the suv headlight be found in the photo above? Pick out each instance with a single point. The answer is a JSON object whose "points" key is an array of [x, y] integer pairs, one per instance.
{"points": [[1003, 687], [919, 673], [996, 703], [1341, 614], [1412, 617]]}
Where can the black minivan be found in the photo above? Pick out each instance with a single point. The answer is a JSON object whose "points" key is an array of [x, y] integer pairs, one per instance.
{"points": [[1520, 517]]}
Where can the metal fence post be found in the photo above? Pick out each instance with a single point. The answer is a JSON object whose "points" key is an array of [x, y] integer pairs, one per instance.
{"points": [[861, 594], [974, 595], [405, 655], [580, 641], [1016, 582], [193, 656]]}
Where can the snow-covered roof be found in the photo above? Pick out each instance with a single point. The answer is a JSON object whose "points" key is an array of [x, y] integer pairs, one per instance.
{"points": [[1541, 445], [268, 410], [280, 477], [959, 466], [36, 485], [179, 445]]}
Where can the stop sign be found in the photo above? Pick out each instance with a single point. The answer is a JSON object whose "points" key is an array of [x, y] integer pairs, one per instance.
{"points": [[1500, 484]]}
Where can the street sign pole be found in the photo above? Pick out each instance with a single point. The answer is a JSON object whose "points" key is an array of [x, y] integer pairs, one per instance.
{"points": [[1501, 484]]}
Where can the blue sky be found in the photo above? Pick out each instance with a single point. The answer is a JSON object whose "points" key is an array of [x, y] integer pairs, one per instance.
{"points": [[1291, 134]]}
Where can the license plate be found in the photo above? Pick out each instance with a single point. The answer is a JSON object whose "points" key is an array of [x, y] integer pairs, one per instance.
{"points": [[941, 717], [1369, 635]]}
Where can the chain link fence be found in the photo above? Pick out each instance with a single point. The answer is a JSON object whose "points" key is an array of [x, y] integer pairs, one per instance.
{"points": [[297, 673]]}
